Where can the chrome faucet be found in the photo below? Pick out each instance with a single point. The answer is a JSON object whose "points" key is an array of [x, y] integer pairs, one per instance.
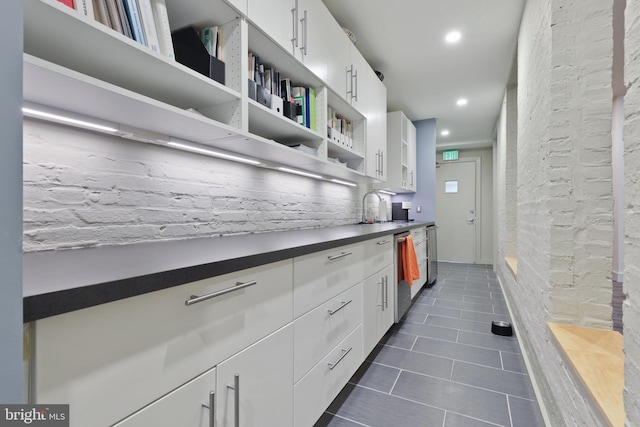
{"points": [[364, 212]]}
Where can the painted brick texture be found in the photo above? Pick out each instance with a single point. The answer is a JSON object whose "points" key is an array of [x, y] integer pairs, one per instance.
{"points": [[631, 307], [83, 189], [564, 218]]}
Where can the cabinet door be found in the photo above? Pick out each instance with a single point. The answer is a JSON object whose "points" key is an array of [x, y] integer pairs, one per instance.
{"points": [[256, 384], [378, 307], [277, 18], [314, 50], [357, 89], [376, 153], [339, 61], [189, 406], [412, 157]]}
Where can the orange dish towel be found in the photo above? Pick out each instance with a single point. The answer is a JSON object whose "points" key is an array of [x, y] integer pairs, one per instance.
{"points": [[410, 269]]}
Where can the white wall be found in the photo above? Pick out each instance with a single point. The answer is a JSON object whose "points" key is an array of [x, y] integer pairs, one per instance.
{"points": [[11, 367], [84, 189]]}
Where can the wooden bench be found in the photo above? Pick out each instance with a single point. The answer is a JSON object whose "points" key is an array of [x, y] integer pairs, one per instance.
{"points": [[598, 360]]}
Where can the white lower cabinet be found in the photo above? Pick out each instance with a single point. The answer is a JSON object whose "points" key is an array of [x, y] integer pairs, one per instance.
{"points": [[316, 390], [191, 405], [317, 332], [256, 384], [151, 344], [379, 302]]}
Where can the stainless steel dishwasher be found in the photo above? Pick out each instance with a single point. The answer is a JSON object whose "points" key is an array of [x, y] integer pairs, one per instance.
{"points": [[402, 289]]}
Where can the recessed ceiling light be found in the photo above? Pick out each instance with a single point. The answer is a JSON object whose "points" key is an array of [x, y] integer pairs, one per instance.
{"points": [[461, 101], [444, 133], [453, 37]]}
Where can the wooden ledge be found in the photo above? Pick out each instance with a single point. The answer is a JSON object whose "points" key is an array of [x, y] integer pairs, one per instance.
{"points": [[513, 264], [597, 358]]}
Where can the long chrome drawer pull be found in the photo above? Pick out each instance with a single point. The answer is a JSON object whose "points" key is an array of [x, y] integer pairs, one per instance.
{"points": [[343, 305], [239, 285], [384, 242], [341, 255], [212, 409], [344, 353], [236, 404]]}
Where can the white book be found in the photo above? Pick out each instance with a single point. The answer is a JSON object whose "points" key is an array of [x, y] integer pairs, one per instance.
{"points": [[149, 25], [85, 7], [162, 27]]}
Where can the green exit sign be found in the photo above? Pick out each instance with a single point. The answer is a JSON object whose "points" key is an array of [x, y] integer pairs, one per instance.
{"points": [[450, 155]]}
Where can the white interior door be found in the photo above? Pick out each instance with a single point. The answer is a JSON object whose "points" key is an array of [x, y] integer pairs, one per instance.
{"points": [[456, 211]]}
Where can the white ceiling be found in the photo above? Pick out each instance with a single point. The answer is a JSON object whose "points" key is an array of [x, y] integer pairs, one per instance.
{"points": [[424, 76]]}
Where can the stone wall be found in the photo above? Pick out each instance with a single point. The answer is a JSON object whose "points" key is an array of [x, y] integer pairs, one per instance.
{"points": [[83, 189], [631, 308]]}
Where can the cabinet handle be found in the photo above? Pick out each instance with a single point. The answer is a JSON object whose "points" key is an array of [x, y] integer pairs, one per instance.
{"points": [[381, 293], [377, 162], [212, 409], [341, 255], [381, 162], [239, 285], [344, 353], [355, 76], [304, 22], [294, 16], [411, 174], [386, 291], [343, 305], [384, 242], [350, 72], [236, 394]]}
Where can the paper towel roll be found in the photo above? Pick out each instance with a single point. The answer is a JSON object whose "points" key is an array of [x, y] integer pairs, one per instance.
{"points": [[382, 211]]}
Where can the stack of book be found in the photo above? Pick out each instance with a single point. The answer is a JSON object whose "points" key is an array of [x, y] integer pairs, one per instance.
{"points": [[270, 89], [339, 129], [145, 21]]}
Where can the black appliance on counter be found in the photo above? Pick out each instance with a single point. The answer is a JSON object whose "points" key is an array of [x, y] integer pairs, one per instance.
{"points": [[400, 211]]}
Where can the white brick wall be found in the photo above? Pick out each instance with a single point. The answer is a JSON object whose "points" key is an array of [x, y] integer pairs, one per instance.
{"points": [[631, 308], [564, 193], [84, 189]]}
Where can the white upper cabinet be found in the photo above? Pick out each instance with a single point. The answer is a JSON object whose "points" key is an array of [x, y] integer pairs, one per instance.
{"points": [[276, 18], [313, 49], [401, 149], [376, 127]]}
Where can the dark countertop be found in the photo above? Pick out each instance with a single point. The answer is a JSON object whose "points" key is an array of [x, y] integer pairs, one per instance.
{"points": [[56, 282]]}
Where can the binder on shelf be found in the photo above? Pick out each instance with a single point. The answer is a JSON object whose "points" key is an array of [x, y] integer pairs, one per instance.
{"points": [[253, 90], [133, 15], [277, 104], [190, 51], [263, 96], [161, 18], [101, 13], [121, 14], [149, 25], [85, 7], [209, 36]]}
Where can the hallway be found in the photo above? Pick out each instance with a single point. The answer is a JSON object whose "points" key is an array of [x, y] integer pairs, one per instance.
{"points": [[441, 365]]}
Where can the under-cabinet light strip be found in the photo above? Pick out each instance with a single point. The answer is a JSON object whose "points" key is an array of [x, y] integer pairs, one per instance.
{"points": [[391, 193], [213, 153], [339, 181], [299, 172], [38, 113]]}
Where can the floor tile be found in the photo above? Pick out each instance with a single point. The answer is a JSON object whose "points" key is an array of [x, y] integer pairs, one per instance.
{"points": [[329, 420], [446, 334], [525, 413], [513, 362], [451, 419], [506, 382], [488, 340], [414, 362], [485, 300], [396, 338], [415, 317], [440, 311], [374, 376], [363, 405], [483, 317], [455, 351], [483, 308], [471, 401], [461, 324]]}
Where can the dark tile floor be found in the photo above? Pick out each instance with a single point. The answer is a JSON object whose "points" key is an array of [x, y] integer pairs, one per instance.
{"points": [[441, 366]]}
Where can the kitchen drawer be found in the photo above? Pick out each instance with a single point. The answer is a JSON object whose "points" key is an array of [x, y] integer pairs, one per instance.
{"points": [[320, 330], [320, 276], [182, 407], [316, 390], [378, 254], [152, 343]]}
